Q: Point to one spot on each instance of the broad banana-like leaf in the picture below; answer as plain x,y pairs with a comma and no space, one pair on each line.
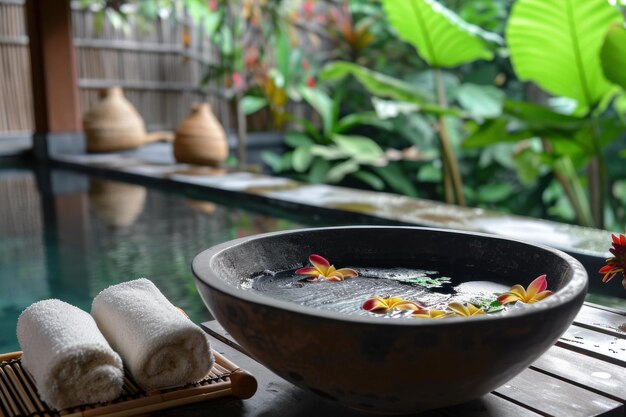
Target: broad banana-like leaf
383,86
556,44
613,55
441,37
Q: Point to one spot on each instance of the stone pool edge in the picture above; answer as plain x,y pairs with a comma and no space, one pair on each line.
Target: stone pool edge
155,165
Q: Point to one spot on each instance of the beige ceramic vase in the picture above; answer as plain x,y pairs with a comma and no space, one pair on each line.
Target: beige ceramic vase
113,124
200,138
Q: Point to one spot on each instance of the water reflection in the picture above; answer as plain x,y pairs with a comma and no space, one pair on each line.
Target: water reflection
204,207
65,235
115,203
23,275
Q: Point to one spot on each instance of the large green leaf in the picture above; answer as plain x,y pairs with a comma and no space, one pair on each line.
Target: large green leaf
322,104
490,132
613,55
481,100
382,85
339,171
388,109
359,148
252,104
283,52
353,120
375,82
556,44
540,117
319,170
493,193
524,120
328,153
396,179
371,179
441,37
277,162
297,139
302,158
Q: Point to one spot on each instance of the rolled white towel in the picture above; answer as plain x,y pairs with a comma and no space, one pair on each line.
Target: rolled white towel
159,345
70,360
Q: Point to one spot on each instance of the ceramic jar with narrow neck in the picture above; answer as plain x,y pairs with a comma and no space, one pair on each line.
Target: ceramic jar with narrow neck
200,138
113,124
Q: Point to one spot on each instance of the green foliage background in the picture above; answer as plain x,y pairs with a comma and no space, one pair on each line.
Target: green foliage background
524,98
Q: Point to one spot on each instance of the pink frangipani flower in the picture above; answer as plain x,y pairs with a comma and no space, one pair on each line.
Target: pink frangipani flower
430,314
536,291
468,310
383,305
322,269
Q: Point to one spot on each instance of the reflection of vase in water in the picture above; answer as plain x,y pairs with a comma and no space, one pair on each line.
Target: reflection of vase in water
200,138
115,203
113,124
204,207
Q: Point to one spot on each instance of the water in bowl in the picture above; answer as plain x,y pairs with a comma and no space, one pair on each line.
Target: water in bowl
430,288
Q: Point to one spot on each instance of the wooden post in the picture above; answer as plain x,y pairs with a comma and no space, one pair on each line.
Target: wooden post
53,68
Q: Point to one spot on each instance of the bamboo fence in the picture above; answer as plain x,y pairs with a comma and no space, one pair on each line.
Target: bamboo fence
16,108
160,73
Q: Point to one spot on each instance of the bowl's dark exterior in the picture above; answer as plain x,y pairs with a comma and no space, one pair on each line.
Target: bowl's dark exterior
387,365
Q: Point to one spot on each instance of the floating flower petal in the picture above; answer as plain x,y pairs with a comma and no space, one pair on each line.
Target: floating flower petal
468,310
383,305
322,269
430,314
536,291
617,263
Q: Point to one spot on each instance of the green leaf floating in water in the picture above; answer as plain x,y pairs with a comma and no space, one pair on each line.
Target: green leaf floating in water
426,282
489,305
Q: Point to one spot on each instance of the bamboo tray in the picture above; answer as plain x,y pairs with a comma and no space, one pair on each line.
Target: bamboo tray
18,395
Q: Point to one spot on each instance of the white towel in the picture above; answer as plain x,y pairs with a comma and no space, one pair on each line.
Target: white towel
69,359
159,345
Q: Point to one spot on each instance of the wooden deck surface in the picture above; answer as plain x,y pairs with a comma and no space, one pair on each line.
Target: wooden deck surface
583,375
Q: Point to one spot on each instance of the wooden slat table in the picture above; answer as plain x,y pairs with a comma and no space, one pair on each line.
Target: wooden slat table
583,375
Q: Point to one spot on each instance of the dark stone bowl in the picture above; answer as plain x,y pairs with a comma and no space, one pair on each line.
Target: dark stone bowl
390,365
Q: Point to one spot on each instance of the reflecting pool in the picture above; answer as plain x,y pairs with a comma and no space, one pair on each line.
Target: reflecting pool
67,235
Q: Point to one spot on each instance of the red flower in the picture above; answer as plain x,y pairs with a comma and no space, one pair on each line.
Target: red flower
308,8
237,80
310,82
617,263
251,57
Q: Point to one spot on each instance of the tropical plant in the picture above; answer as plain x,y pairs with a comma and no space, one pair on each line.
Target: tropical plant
575,50
334,151
448,43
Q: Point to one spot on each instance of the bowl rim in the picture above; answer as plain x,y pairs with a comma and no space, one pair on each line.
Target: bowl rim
203,272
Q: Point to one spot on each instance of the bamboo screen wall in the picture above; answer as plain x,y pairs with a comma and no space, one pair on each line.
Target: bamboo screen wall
16,109
160,76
